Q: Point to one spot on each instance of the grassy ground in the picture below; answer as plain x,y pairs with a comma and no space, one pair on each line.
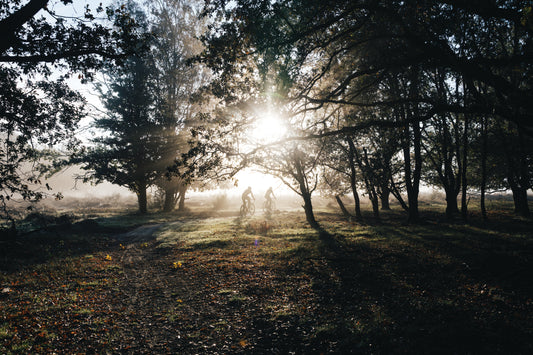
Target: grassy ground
225,285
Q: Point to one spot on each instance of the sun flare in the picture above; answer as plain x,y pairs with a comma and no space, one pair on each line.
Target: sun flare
269,127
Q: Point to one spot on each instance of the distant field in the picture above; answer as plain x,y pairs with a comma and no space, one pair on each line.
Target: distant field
207,282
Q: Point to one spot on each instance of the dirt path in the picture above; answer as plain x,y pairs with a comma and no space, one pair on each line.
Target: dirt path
198,301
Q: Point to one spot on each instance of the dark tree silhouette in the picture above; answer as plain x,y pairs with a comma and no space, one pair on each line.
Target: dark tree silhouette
38,111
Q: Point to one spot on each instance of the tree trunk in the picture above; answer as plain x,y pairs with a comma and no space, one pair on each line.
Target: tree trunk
170,199
353,183
384,197
411,182
414,216
182,191
452,208
483,167
142,200
521,206
396,193
369,184
342,207
308,208
464,185
357,200
524,177
412,176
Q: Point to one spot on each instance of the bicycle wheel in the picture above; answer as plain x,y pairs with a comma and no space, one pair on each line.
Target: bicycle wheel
251,209
242,212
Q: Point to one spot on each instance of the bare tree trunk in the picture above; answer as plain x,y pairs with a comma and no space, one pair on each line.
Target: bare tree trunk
357,200
370,187
142,198
483,167
342,207
170,199
353,183
396,193
384,197
524,177
308,208
182,191
464,183
412,177
521,206
369,183
452,208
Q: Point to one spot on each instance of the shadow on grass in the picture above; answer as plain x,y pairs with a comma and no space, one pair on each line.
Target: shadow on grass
45,242
408,291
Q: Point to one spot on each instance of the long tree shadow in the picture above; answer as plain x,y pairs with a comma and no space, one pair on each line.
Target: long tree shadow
57,241
398,301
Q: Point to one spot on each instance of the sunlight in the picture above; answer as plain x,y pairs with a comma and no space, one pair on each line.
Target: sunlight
269,127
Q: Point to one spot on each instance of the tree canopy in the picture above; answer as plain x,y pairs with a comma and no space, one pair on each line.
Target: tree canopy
39,49
417,66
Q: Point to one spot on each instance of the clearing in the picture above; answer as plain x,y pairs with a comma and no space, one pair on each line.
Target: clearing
199,284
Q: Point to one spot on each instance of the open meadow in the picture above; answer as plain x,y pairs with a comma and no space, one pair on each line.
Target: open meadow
197,282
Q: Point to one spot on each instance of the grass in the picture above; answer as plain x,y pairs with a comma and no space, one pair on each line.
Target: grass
226,285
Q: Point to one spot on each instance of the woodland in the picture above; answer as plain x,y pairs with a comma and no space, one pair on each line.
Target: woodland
361,103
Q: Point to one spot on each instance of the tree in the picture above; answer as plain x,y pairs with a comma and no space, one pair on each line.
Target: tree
129,149
518,165
42,114
37,110
176,25
297,167
443,144
127,152
340,173
335,53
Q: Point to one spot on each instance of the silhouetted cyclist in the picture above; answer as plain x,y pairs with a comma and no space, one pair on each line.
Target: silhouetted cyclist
248,197
269,199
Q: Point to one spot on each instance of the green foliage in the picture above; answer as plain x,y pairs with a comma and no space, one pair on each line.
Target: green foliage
150,134
38,111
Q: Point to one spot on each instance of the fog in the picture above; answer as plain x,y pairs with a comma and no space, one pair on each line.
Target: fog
79,196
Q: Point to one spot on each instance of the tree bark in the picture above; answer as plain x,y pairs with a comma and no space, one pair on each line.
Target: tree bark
517,176
308,208
412,177
353,183
170,199
182,191
483,167
524,177
384,197
369,183
521,206
142,200
342,207
464,182
452,208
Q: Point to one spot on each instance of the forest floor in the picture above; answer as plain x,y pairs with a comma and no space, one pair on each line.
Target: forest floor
197,284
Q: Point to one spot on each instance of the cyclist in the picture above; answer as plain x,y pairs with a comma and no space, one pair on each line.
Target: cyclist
269,197
247,197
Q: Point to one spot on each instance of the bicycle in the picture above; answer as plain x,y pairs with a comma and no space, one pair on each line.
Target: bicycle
269,206
247,209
